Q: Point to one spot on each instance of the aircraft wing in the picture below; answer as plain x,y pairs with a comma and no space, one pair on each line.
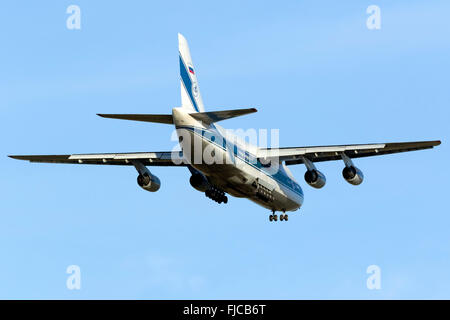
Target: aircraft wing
327,153
146,158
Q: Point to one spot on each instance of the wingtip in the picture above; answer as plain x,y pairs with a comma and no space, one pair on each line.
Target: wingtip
15,157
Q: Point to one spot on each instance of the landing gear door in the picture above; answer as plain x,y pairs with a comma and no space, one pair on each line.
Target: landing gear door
266,184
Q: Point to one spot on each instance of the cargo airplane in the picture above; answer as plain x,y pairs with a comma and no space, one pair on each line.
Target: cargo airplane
239,169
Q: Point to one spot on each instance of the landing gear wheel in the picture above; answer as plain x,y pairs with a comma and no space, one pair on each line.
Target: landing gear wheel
216,195
275,217
286,217
271,218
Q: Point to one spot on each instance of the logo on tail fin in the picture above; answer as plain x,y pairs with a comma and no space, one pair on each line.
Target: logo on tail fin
195,89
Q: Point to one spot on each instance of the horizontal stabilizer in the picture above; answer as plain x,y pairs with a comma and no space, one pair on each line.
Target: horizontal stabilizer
205,117
215,116
158,118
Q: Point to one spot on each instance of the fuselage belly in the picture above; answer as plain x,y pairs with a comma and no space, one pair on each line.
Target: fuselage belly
231,168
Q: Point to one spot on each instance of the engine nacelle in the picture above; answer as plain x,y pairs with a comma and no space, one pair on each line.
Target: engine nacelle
353,175
199,182
315,178
149,182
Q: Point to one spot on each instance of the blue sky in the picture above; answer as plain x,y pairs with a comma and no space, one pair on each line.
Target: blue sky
313,70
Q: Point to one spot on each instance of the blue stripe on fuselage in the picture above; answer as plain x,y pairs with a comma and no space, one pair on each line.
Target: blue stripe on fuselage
280,176
187,83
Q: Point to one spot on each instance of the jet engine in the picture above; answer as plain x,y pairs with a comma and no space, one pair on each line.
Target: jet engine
199,182
353,175
315,178
148,182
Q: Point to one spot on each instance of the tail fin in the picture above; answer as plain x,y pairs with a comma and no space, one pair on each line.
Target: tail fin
190,92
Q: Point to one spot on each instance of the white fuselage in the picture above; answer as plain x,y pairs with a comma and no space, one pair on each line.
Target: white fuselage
232,166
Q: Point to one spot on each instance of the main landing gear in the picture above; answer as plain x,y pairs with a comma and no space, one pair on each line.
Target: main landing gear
217,195
274,216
